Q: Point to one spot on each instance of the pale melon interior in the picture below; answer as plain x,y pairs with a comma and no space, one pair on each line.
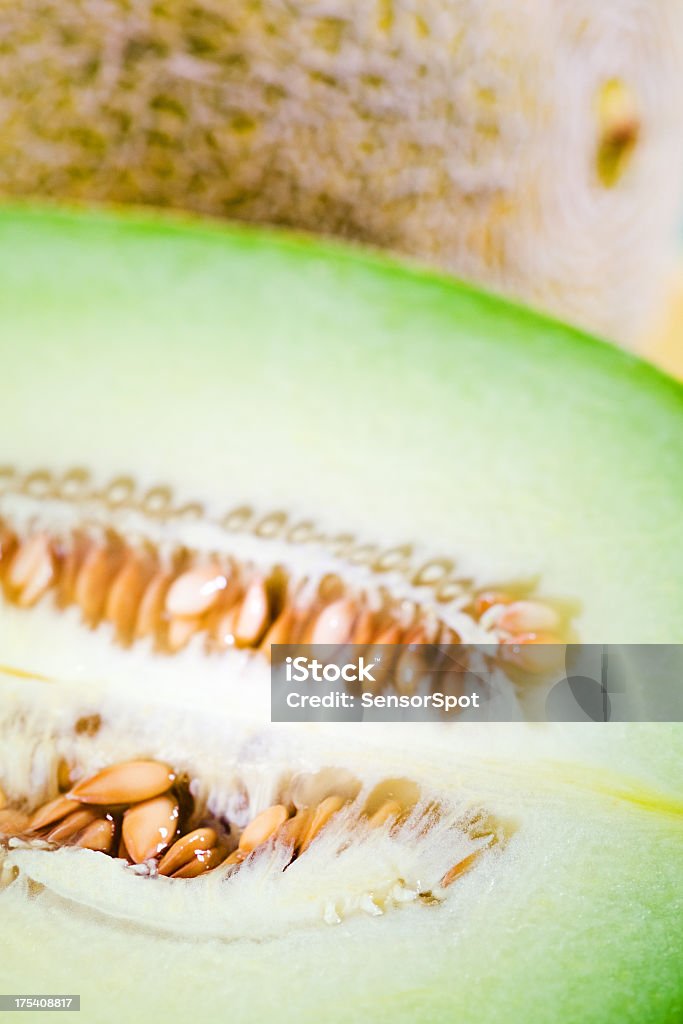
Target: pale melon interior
577,918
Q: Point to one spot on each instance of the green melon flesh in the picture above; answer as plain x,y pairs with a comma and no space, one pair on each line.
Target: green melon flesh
244,367
240,367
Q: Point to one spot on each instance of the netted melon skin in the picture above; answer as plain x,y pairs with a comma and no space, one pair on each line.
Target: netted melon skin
468,134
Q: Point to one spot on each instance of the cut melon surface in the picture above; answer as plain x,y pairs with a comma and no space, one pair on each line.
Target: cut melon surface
577,917
252,383
240,368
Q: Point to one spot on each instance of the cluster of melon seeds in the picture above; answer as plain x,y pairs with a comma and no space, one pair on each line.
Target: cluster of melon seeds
142,812
232,602
133,810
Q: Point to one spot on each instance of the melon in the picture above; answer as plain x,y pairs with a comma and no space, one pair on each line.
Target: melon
219,439
534,149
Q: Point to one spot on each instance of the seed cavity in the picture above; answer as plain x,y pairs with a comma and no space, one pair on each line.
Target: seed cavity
166,835
172,595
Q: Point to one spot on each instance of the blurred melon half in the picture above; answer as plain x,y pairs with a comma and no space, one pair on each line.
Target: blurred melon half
533,146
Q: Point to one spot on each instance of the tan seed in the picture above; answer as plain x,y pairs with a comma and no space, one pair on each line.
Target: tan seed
180,632
8,543
98,836
282,630
334,625
150,827
224,627
41,579
126,783
48,814
390,634
122,852
32,569
93,580
152,605
321,816
294,829
13,822
365,627
29,554
288,628
383,653
487,599
528,616
125,595
183,851
196,591
202,861
389,809
71,558
460,868
72,825
399,791
37,585
221,620
236,857
534,652
253,616
262,827
420,635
